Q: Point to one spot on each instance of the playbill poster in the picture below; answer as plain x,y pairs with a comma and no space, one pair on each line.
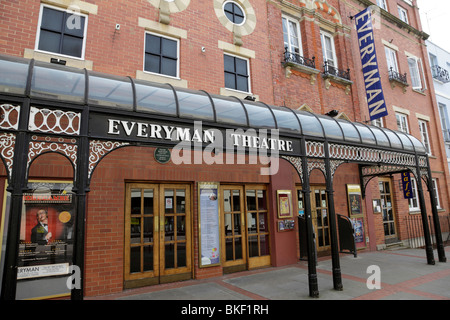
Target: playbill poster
47,230
209,224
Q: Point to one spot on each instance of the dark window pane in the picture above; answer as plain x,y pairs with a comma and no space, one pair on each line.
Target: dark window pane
238,19
135,259
169,256
152,44
229,249
74,25
169,67
241,66
52,19
230,80
238,248
152,63
169,48
49,41
181,255
253,246
72,46
148,258
229,63
242,83
264,245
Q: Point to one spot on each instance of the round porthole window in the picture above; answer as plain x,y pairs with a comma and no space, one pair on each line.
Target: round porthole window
237,16
234,12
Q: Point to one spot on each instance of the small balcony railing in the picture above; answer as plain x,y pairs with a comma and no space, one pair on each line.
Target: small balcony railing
330,70
396,76
294,57
440,74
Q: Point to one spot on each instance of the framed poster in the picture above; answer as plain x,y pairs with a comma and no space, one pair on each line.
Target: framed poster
284,203
47,230
358,227
354,199
208,208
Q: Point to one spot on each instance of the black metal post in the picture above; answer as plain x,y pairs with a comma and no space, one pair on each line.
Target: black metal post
423,210
337,278
81,188
16,187
312,273
437,224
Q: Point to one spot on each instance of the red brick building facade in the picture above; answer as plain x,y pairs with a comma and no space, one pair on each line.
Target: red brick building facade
275,52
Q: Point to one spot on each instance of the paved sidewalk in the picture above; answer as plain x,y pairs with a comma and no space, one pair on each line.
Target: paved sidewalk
404,275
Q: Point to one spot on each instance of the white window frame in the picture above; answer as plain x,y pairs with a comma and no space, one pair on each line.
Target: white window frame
323,35
402,122
248,72
444,121
436,193
413,202
416,72
289,45
38,32
378,123
423,127
178,55
403,14
391,58
382,4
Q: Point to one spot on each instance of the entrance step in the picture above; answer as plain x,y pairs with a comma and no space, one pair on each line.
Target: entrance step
394,245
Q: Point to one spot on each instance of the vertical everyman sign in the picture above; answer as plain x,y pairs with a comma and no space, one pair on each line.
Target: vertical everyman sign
372,81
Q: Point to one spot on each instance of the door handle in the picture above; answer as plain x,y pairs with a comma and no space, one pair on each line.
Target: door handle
156,224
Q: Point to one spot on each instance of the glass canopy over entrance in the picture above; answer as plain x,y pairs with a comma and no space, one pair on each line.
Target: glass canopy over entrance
61,84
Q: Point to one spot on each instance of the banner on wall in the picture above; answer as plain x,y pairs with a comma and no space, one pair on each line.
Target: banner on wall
406,183
372,80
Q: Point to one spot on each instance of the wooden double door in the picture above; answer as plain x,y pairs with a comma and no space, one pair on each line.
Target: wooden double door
245,221
157,234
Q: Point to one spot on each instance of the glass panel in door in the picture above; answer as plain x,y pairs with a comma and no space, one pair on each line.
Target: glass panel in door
387,209
233,220
174,229
140,251
257,226
320,218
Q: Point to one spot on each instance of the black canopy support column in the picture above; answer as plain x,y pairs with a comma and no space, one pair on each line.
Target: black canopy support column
81,188
337,278
437,225
306,190
16,187
423,211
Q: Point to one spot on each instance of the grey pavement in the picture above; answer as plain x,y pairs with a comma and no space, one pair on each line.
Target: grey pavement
404,275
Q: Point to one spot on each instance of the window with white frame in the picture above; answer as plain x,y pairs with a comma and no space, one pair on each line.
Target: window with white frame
62,32
436,193
402,122
291,36
444,121
328,50
161,55
378,123
236,73
415,65
382,4
391,58
414,201
403,14
424,135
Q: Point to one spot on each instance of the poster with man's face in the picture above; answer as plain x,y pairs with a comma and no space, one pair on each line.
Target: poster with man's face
47,228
